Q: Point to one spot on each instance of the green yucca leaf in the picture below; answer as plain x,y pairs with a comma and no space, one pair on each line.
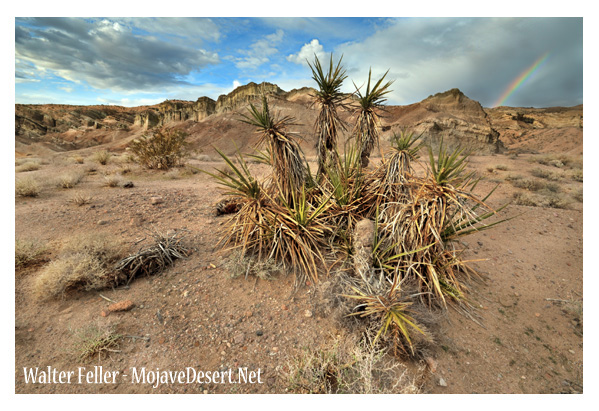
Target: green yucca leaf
373,98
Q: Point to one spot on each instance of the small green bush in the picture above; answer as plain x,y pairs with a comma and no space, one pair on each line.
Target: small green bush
164,150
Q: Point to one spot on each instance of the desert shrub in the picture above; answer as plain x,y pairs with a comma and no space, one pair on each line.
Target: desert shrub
163,150
240,265
529,184
101,157
30,165
69,180
27,187
29,252
95,339
546,174
576,175
550,200
80,199
85,262
347,366
204,157
112,180
501,167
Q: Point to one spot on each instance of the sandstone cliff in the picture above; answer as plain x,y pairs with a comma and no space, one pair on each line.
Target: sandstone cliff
450,116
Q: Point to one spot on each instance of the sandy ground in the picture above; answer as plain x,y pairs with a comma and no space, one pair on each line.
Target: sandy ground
529,340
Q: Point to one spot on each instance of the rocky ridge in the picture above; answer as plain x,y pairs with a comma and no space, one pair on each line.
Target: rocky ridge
449,116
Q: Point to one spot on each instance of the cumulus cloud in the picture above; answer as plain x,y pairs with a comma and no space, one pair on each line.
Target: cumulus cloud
307,53
106,54
260,51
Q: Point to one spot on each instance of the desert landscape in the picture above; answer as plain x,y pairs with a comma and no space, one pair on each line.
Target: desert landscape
85,202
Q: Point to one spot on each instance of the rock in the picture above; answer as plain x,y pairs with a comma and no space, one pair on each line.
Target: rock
259,333
128,184
102,222
432,364
125,305
308,313
284,307
104,313
156,200
239,338
442,382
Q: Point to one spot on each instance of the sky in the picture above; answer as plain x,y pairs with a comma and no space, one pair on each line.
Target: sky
530,62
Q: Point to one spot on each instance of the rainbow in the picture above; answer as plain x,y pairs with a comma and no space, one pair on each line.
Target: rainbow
514,85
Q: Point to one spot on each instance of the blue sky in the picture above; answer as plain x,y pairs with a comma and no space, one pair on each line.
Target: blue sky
137,61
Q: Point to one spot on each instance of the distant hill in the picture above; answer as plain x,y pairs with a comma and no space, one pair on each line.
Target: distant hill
450,116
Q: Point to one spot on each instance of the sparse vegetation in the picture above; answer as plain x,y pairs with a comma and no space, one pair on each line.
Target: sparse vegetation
95,340
80,199
112,180
30,165
240,265
85,262
29,252
165,149
347,366
27,187
546,174
101,157
69,180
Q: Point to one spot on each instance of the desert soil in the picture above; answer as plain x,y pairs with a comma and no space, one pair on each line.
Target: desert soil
528,337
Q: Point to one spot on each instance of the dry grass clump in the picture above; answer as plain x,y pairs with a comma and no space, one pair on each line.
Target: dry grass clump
546,174
80,199
578,195
30,165
204,158
85,262
27,187
576,175
549,200
240,265
95,339
69,180
348,366
29,252
165,149
558,160
532,184
101,157
501,167
112,180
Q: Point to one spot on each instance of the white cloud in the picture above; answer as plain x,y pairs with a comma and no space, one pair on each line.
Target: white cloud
260,51
236,84
307,53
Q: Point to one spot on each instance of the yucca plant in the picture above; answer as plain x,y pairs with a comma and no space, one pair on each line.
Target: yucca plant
286,156
387,184
329,97
390,309
300,230
248,228
367,125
